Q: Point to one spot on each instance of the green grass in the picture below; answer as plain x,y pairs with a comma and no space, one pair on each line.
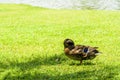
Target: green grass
31,43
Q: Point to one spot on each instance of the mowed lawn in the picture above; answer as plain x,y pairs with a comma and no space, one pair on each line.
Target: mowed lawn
31,43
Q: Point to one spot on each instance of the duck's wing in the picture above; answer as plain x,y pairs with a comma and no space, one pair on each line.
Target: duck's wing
77,50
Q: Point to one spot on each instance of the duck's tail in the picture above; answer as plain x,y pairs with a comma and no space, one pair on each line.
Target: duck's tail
98,53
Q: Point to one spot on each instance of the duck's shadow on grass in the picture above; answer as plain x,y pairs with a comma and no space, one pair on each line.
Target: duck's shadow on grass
84,63
39,61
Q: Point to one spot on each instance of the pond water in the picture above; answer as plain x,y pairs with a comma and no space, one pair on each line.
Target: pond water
71,4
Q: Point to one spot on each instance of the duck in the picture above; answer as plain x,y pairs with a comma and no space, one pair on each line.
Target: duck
79,52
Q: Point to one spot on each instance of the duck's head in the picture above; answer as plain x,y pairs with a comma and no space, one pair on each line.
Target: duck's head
68,43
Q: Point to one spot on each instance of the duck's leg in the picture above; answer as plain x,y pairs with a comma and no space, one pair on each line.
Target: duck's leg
80,62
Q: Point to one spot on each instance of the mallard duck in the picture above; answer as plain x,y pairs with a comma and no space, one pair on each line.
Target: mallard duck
79,52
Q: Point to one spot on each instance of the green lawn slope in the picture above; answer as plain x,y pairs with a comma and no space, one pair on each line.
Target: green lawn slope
31,43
